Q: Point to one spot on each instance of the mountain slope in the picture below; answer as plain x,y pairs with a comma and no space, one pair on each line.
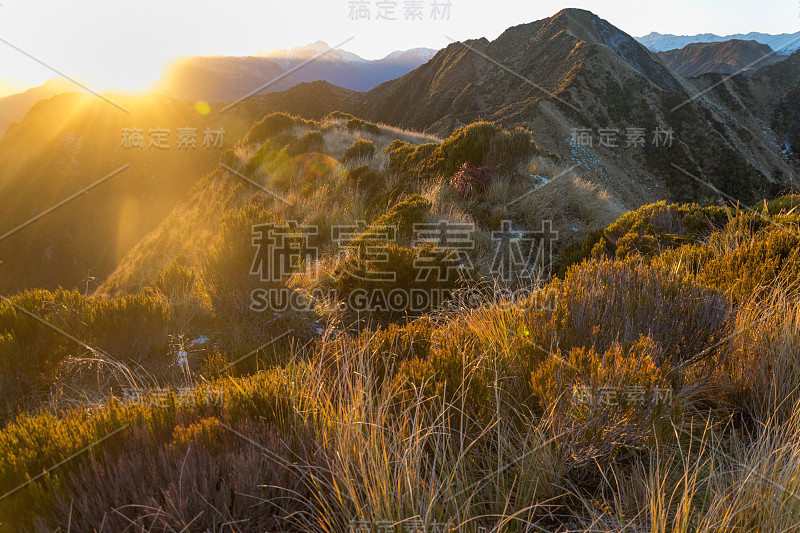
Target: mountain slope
727,57
768,103
14,107
577,71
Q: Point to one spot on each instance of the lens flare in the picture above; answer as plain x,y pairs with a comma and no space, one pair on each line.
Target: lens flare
203,108
316,166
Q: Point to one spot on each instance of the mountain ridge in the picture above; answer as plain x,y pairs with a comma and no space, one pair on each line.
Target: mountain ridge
726,57
783,44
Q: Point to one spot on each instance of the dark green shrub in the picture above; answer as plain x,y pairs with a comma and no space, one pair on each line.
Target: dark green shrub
479,144
407,158
399,155
356,124
272,125
338,115
367,277
132,328
648,231
363,178
594,245
360,149
402,216
311,141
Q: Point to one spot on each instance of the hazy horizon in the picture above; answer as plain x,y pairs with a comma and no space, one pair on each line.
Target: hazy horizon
125,49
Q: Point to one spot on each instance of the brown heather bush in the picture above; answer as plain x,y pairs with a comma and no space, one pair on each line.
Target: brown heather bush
311,141
207,478
604,302
159,462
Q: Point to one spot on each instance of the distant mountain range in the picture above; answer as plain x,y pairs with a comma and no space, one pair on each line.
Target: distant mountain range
726,57
784,44
225,79
230,78
13,107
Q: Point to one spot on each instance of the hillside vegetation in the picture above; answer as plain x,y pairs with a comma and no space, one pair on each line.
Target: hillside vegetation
641,375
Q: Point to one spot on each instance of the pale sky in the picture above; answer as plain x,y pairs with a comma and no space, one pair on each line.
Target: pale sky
123,45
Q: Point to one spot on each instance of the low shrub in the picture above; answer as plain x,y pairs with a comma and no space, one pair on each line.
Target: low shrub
360,149
602,302
481,144
375,281
647,232
402,217
338,115
769,255
270,126
356,124
130,461
56,326
311,141
363,178
606,406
